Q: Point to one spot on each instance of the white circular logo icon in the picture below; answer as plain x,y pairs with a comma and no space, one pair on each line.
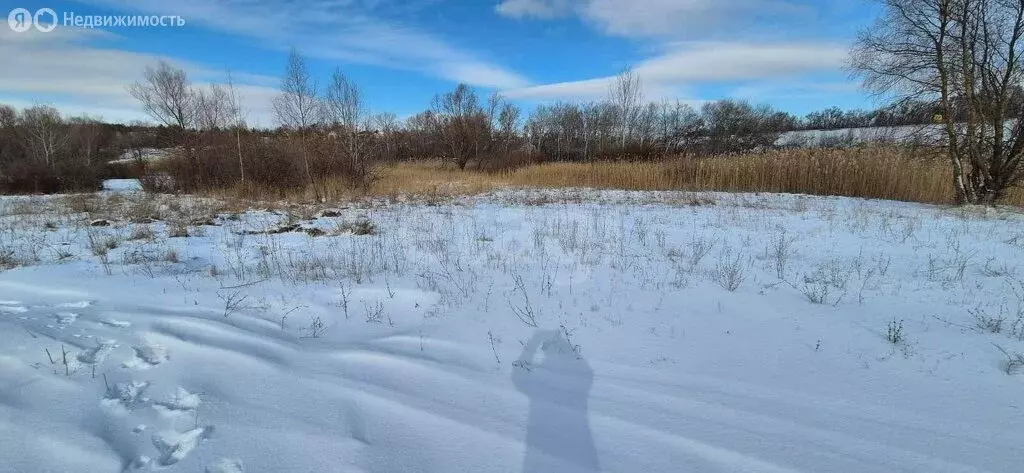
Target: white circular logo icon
41,14
20,20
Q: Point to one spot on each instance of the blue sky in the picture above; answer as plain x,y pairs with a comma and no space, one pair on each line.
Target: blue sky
789,53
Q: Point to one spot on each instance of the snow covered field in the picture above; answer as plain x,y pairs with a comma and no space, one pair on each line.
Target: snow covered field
525,331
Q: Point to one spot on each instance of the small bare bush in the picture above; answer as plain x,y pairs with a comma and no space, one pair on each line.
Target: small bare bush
361,226
895,333
730,272
1014,362
780,251
101,244
143,211
177,229
699,248
143,232
317,327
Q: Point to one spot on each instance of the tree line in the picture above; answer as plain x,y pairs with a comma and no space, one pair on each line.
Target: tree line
327,132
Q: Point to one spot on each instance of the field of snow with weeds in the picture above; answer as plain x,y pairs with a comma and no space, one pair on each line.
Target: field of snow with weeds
521,331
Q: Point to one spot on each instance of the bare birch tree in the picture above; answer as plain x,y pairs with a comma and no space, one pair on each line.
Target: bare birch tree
964,56
44,131
387,124
212,108
627,95
237,122
298,107
344,107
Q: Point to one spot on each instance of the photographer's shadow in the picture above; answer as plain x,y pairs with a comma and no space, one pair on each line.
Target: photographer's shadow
558,437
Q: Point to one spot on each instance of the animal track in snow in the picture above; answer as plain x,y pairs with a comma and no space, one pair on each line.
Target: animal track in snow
147,355
182,402
126,395
66,318
97,354
226,465
175,446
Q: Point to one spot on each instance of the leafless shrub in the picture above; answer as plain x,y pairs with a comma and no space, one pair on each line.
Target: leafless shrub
346,292
233,301
1014,362
993,269
177,229
144,210
142,232
524,310
827,284
895,332
8,260
699,248
101,244
780,251
494,341
317,327
730,272
362,226
374,312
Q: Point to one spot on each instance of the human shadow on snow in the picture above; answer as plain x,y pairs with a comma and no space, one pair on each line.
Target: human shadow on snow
558,437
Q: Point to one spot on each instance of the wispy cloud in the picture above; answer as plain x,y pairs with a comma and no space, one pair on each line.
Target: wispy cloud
81,72
684,65
654,18
546,9
345,30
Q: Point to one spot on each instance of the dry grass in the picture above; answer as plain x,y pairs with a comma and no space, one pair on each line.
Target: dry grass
876,172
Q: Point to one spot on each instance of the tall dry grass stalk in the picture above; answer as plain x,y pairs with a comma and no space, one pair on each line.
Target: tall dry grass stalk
876,172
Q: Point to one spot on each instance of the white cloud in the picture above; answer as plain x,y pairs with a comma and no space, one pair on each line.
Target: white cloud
333,29
652,18
688,64
535,8
65,68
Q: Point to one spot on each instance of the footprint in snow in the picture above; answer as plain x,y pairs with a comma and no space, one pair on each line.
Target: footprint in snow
97,354
126,395
175,446
226,465
66,318
147,355
182,402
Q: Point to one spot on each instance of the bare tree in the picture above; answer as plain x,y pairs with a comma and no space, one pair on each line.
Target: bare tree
213,108
965,57
626,93
463,124
387,124
8,116
166,95
344,108
508,120
237,122
44,131
297,107
86,133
